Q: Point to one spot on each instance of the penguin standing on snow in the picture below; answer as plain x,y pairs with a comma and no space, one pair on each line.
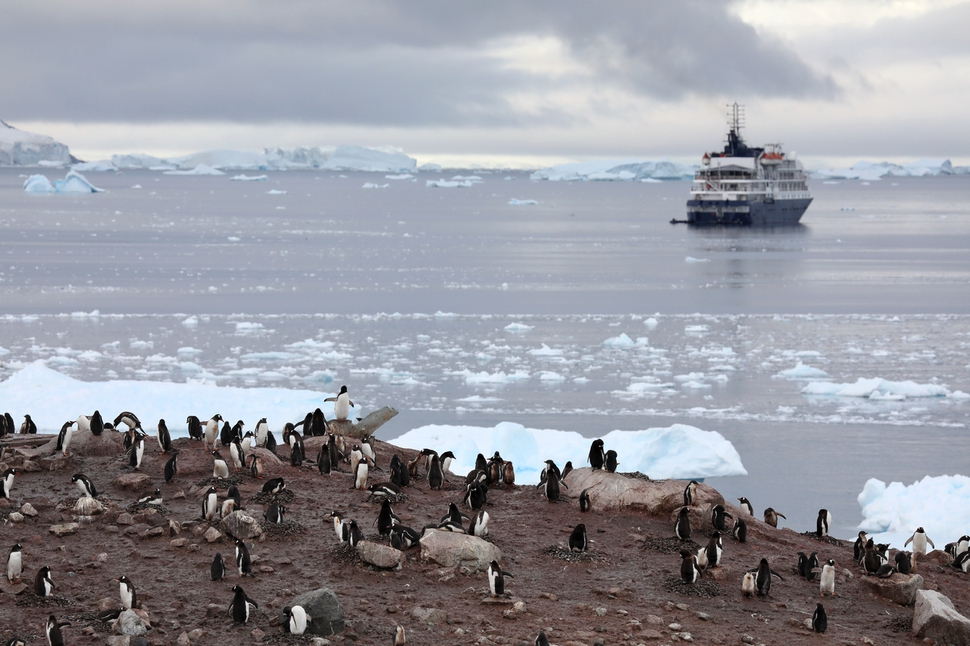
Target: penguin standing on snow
496,579
85,485
164,437
822,523
578,541
341,404
597,456
239,608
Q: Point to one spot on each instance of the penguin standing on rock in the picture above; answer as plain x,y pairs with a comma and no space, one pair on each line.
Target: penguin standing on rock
342,404
85,485
219,467
171,467
611,461
690,492
127,591
97,424
597,456
718,516
210,504
64,438
129,419
6,485
28,427
194,427
859,549
239,608
212,432
164,437
541,639
496,579
745,506
771,517
137,450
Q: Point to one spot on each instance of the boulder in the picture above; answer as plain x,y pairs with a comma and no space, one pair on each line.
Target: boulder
64,530
267,457
212,535
608,491
899,588
382,556
87,506
129,623
935,618
135,482
429,615
324,614
239,524
467,553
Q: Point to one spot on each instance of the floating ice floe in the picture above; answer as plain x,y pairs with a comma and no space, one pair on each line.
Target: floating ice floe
73,182
622,341
678,451
248,178
518,327
802,371
867,170
373,185
880,389
515,202
690,259
938,504
200,169
444,183
100,166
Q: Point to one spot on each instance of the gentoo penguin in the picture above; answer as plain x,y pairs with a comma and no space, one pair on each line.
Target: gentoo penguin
745,506
97,424
811,566
399,470
127,591
822,523
748,585
137,451
270,442
454,515
611,462
400,639
171,467
296,454
212,431
740,530
689,572
479,524
597,456
354,535
7,482
233,492
262,428
318,424
826,581
295,619
360,476
15,563
919,539
195,427
367,448
566,468
16,641
718,514
210,504
43,584
356,455
859,549
341,404
338,526
239,608
28,427
476,495
228,506
242,559
871,561
54,637
771,517
335,452
386,518
690,492
384,490
129,419
255,466
154,498
274,514
578,540
541,639
494,469
496,579
682,524
404,537
64,437
218,568
164,437
584,503
85,486
763,574
274,485
819,621
713,550
236,453
447,458
550,481
429,453
323,462
219,467
904,562
961,562
435,475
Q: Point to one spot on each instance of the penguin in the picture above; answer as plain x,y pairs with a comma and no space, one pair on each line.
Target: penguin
859,549
496,579
550,482
136,452
54,637
243,562
270,442
154,498
129,419
399,471
400,638
386,518
318,424
479,524
338,526
210,504
11,429
682,524
97,424
212,431
246,443
819,621
64,438
127,591
84,485
342,404
871,561
16,641
689,572
6,485
802,563
541,639
763,574
714,550
747,585
578,540
163,437
822,523
274,514
195,429
963,544
384,490
255,466
296,619
229,433
239,608
740,530
412,466
43,584
494,472
429,453
217,571
236,453
597,456
28,427
690,492
15,563
3,426
811,566
447,458
962,562
274,485
904,562
360,476
435,474
233,492
404,536
745,506
919,539
219,467
454,516
826,581
566,468
476,495
261,431
354,535
480,462
296,454
584,503
171,467
718,514
367,448
611,462
771,517
228,506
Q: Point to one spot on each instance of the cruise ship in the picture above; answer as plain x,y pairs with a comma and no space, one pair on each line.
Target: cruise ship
748,186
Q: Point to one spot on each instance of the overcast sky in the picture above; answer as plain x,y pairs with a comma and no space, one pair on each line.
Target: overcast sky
491,82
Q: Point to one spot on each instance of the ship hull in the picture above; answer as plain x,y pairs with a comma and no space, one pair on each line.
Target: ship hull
740,213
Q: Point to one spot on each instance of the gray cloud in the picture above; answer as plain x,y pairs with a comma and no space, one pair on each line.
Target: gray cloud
371,62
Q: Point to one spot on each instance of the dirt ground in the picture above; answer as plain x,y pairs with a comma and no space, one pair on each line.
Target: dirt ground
626,591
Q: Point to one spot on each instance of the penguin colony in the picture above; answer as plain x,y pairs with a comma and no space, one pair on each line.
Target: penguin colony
488,474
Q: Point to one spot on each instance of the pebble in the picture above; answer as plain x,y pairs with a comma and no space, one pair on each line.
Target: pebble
675,627
600,612
16,517
28,510
654,619
747,639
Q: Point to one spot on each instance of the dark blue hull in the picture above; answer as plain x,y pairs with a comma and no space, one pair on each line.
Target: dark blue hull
756,214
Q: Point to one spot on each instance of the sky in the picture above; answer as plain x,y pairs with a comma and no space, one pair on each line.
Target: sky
492,83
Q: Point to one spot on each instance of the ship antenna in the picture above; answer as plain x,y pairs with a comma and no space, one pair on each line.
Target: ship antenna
735,123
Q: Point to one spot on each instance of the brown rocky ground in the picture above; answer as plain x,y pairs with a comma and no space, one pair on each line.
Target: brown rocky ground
627,592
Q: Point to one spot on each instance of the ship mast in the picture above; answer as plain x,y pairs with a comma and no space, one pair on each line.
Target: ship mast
735,119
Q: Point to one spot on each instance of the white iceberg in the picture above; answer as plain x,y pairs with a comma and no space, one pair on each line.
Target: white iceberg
679,451
616,170
802,371
866,170
100,166
21,148
876,389
38,184
200,169
938,504
73,182
515,202
140,161
248,178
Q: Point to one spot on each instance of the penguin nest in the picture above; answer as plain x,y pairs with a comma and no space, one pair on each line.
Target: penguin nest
379,498
700,588
281,498
565,554
33,601
900,624
286,528
219,483
344,553
671,545
825,539
636,475
136,507
287,638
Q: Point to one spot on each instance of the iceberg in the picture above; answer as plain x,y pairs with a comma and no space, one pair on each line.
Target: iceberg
866,170
38,184
678,451
74,182
103,165
877,389
616,171
802,371
939,504
139,162
21,148
201,169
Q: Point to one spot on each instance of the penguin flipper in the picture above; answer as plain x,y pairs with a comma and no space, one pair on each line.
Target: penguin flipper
330,399
248,600
781,577
910,540
930,542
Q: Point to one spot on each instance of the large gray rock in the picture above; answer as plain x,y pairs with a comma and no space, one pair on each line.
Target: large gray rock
935,618
899,588
324,614
240,524
136,482
383,556
608,491
129,623
467,553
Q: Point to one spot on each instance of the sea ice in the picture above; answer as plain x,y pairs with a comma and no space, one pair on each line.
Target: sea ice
876,389
515,202
200,169
802,371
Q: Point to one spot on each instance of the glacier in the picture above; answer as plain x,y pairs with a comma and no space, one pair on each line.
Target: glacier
21,148
617,171
866,170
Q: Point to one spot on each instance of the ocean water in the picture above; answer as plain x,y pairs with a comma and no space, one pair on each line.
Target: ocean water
587,311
